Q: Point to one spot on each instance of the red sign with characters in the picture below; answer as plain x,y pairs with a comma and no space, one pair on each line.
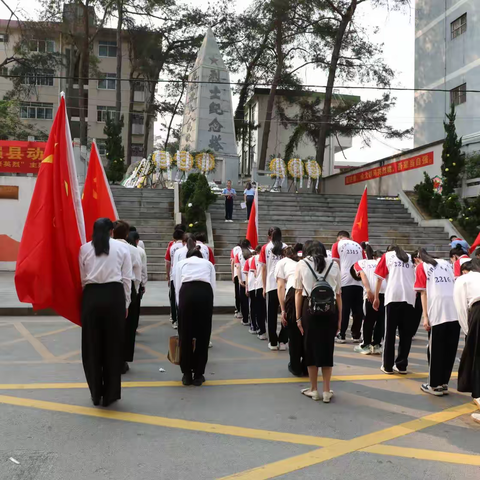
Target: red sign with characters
396,167
20,157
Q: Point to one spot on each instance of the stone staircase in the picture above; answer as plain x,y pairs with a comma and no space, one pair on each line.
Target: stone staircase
307,216
151,211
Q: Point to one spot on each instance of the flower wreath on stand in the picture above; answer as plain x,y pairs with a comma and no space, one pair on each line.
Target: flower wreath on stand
279,172
296,171
130,182
146,169
184,161
313,172
163,162
205,162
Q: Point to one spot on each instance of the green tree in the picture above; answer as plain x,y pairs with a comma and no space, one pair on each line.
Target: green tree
453,160
115,150
11,128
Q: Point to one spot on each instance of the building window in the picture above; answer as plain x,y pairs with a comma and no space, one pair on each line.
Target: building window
102,150
137,150
4,72
42,46
458,95
109,82
137,124
34,110
104,113
459,26
107,49
3,37
40,77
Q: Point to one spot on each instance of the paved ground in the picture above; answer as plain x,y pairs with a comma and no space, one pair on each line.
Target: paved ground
248,421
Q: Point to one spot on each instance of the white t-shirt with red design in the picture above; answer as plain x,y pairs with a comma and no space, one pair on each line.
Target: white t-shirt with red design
249,269
270,261
233,254
458,264
400,278
170,254
240,260
258,274
439,283
285,269
348,253
368,268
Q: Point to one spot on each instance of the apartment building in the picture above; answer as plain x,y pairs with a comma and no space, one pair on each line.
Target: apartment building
447,46
39,109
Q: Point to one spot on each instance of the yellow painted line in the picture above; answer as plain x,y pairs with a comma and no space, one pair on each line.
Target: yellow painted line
153,325
54,332
41,349
237,345
250,433
157,355
68,355
447,457
339,449
225,327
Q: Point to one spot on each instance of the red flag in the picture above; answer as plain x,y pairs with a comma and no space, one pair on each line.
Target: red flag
476,244
252,228
48,272
97,199
360,225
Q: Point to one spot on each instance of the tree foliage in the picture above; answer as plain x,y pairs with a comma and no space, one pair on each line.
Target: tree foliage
453,160
115,150
11,128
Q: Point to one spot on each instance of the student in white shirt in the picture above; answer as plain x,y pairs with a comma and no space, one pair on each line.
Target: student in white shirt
207,252
285,275
195,286
270,254
467,302
169,263
240,260
458,257
248,197
134,239
140,242
435,280
260,303
236,249
397,268
373,320
106,274
120,233
347,252
318,329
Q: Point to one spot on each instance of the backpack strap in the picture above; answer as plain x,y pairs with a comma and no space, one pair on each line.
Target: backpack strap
311,269
328,271
324,278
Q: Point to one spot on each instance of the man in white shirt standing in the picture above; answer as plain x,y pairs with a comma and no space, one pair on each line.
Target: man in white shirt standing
347,253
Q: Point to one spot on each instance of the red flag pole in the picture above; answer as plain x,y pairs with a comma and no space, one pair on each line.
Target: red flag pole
360,225
252,228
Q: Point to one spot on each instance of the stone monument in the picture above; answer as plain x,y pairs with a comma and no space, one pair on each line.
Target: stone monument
208,117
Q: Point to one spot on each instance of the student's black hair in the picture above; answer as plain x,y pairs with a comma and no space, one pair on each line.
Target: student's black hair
298,247
306,246
343,233
258,249
186,237
178,234
354,274
194,252
201,237
368,250
132,228
458,251
179,226
290,253
121,230
248,186
101,236
192,247
133,238
453,236
247,253
270,231
377,254
277,241
426,257
245,243
317,251
466,267
400,253
475,265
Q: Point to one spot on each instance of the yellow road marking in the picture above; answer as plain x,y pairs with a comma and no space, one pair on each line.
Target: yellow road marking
158,355
40,335
225,327
339,449
237,345
448,457
41,349
250,433
153,325
68,355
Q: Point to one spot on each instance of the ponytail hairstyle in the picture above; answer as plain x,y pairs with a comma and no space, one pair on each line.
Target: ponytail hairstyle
289,252
247,253
475,265
270,232
133,238
186,237
306,246
426,257
354,274
102,230
298,248
277,241
399,252
368,250
245,244
258,249
317,251
193,248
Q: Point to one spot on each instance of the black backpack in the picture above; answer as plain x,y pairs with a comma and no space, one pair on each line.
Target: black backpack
322,298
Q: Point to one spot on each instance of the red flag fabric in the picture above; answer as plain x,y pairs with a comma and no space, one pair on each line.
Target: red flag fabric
48,272
252,228
360,225
97,199
476,244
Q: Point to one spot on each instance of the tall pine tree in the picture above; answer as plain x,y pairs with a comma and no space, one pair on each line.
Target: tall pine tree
453,160
115,150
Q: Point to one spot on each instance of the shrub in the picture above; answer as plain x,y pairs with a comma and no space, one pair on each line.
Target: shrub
115,150
470,216
453,160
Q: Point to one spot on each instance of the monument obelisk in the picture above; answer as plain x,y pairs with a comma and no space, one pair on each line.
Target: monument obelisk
208,117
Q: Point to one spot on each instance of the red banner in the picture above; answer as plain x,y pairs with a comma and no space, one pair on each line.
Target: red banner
20,157
396,167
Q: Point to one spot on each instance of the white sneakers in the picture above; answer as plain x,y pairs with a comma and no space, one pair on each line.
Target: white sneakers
476,417
314,395
376,350
271,347
397,370
477,402
437,391
367,350
282,347
263,336
382,368
327,396
252,331
175,325
210,345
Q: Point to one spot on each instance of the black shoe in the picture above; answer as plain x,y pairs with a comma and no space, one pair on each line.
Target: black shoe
107,403
125,368
187,379
293,372
96,401
198,380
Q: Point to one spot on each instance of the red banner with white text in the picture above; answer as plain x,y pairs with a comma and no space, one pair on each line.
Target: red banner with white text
20,157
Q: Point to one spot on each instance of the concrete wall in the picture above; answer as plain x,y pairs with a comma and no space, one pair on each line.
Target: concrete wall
13,214
389,185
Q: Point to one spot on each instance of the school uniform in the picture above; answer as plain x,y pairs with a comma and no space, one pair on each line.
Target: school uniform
285,269
373,320
457,266
319,329
467,302
347,253
260,302
141,244
399,303
244,304
236,283
269,261
250,197
438,282
170,257
249,270
107,283
229,202
195,282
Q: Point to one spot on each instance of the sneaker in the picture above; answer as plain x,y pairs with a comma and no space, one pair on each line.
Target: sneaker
175,325
210,344
238,315
252,331
246,324
187,379
340,339
272,347
477,401
312,394
282,347
263,336
363,350
198,380
437,391
377,350
231,221
445,389
357,340
476,417
382,368
401,372
327,396
226,221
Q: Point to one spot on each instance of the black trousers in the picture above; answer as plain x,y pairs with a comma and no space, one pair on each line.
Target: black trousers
261,310
173,302
252,298
352,301
236,283
272,320
132,325
249,203
295,337
469,370
418,313
399,315
195,322
228,208
374,323
103,329
442,350
244,305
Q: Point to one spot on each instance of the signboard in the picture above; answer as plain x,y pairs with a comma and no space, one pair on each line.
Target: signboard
418,161
9,191
20,157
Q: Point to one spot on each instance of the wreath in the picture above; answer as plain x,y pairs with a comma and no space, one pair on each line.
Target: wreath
184,161
277,167
313,171
162,160
205,162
